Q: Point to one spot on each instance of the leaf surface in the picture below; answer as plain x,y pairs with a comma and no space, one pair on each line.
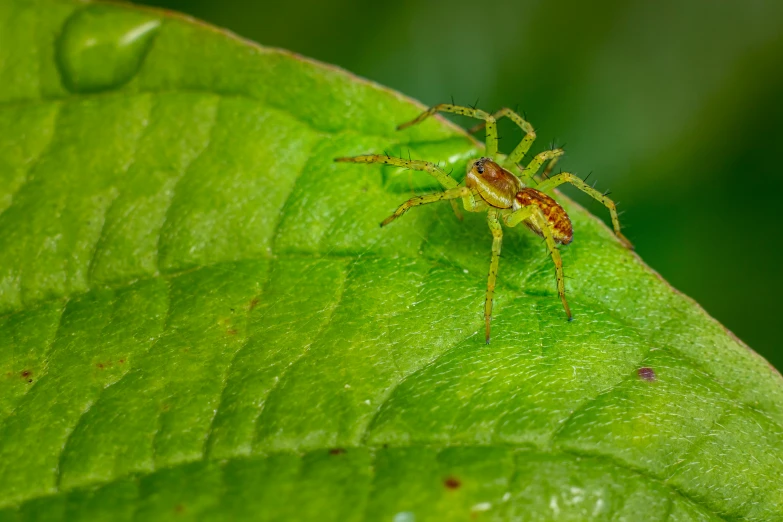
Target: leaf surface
200,317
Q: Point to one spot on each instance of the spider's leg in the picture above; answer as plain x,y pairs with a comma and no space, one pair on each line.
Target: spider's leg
530,135
471,202
489,120
454,193
514,218
441,175
497,242
567,177
549,167
529,172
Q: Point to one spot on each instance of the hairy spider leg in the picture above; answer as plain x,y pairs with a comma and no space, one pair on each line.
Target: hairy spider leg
513,218
497,243
441,175
529,172
567,177
523,146
549,168
491,143
453,193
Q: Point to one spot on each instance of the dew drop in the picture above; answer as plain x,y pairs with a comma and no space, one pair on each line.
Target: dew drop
102,47
404,516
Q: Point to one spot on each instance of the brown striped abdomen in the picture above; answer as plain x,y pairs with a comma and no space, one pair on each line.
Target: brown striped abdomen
554,213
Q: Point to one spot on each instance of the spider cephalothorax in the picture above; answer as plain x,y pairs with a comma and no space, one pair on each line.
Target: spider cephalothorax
492,188
501,189
496,186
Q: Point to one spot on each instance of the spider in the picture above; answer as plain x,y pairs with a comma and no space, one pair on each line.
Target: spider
491,187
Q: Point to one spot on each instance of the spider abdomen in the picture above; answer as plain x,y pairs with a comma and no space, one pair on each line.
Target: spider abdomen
553,213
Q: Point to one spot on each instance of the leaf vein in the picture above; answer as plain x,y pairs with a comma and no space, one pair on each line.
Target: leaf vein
107,212
45,369
44,152
278,384
180,178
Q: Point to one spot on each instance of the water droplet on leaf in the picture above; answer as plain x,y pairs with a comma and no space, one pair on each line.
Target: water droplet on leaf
102,47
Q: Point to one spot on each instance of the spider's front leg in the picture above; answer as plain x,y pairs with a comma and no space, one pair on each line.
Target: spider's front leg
567,177
454,193
441,175
522,147
489,120
529,172
513,218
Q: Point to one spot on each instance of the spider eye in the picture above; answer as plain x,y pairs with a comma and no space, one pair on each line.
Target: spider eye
480,168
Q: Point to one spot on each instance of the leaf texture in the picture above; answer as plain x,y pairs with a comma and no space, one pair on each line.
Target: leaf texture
200,317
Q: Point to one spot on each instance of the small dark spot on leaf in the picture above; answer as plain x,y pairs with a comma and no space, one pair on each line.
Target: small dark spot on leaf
164,407
231,331
336,451
122,361
232,310
179,508
26,373
452,483
647,374
99,365
29,380
254,303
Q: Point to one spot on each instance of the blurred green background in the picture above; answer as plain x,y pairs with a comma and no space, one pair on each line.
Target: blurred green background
674,105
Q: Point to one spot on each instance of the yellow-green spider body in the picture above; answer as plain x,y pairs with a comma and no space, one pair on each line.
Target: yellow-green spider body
491,187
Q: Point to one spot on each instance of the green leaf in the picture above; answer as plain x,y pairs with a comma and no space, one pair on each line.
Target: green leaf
200,317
